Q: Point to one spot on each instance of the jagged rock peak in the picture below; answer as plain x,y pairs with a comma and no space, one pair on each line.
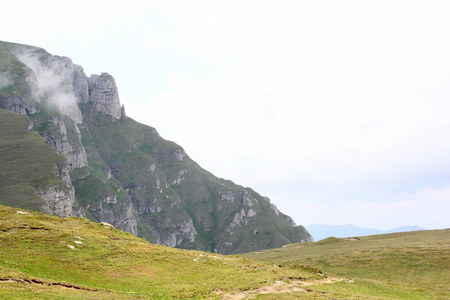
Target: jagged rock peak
104,95
58,82
123,114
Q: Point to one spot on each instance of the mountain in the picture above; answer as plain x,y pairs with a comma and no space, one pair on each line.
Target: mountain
321,231
68,148
405,229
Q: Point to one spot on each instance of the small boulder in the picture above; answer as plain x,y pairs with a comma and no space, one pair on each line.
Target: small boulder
107,225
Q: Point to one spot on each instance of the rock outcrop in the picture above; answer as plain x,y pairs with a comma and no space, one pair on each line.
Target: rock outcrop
60,200
66,143
18,105
104,95
80,84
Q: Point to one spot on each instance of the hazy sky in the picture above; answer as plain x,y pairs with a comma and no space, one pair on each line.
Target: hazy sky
336,110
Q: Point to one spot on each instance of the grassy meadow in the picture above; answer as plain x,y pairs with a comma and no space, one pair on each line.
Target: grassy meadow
47,257
44,256
409,265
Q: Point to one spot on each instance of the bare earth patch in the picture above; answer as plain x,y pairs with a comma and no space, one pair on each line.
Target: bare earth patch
279,287
34,281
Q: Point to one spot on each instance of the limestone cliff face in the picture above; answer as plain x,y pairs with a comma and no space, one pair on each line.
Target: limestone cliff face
104,211
80,84
184,230
66,143
18,105
104,95
60,201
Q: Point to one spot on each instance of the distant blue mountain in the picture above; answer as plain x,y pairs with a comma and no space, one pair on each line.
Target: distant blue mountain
405,229
321,231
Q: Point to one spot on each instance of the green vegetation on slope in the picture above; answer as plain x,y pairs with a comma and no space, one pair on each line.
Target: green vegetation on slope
412,265
47,257
12,75
169,190
42,254
21,172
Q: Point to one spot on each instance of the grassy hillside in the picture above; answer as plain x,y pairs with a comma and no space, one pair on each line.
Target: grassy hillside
412,265
20,171
44,256
47,257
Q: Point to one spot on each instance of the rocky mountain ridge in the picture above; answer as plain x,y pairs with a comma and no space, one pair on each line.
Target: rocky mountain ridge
122,172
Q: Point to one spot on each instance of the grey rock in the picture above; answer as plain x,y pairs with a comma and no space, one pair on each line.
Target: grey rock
228,196
18,105
80,85
111,198
104,95
251,213
184,230
290,221
247,200
57,136
275,209
238,220
126,220
123,114
60,200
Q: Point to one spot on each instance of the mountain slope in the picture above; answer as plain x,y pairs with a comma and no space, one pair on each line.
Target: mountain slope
123,172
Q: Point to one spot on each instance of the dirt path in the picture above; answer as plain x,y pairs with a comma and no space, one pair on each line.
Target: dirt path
279,287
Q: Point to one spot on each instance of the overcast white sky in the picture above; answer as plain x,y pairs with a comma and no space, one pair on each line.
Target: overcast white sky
336,110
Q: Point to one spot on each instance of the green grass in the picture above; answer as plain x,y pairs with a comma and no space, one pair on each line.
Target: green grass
36,262
413,265
15,72
114,264
21,173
